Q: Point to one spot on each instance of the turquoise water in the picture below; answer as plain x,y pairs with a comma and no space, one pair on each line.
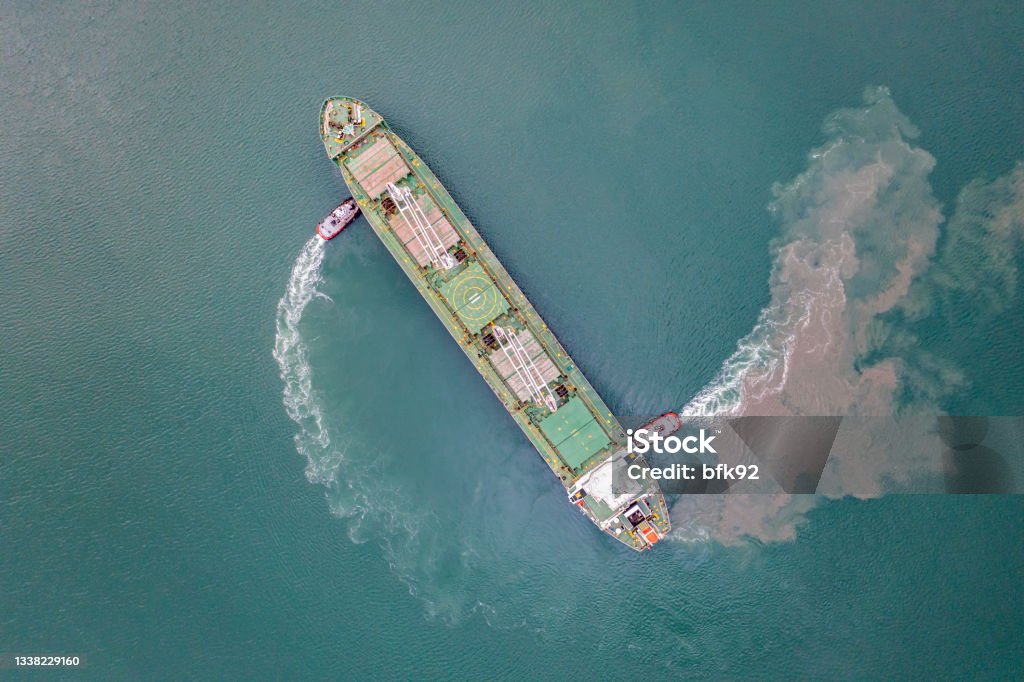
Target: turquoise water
161,513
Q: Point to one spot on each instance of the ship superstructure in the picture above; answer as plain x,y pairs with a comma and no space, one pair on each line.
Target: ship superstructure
496,326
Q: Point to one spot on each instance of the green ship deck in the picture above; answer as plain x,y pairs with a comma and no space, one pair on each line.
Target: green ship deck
486,313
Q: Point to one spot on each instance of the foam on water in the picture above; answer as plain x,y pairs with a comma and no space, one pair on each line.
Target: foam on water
313,440
862,207
357,491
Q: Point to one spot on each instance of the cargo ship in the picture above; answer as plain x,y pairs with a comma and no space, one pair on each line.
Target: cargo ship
499,330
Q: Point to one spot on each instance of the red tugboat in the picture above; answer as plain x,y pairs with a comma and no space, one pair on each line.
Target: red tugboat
337,220
665,425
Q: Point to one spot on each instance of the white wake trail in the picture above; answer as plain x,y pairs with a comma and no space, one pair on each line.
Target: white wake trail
290,351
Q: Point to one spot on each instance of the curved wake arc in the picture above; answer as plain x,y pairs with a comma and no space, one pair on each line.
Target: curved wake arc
291,353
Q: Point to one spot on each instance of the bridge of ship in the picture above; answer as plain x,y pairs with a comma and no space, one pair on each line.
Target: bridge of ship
472,295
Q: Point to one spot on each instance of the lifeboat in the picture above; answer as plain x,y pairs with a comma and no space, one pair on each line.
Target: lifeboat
337,220
649,534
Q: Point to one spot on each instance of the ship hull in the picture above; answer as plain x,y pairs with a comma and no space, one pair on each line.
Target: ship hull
494,323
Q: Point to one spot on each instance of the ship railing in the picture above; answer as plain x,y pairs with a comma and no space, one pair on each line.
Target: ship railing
425,234
526,369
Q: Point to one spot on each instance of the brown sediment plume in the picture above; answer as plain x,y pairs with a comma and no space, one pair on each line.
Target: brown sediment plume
858,246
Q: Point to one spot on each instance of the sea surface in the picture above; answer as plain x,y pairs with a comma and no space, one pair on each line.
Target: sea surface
227,452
